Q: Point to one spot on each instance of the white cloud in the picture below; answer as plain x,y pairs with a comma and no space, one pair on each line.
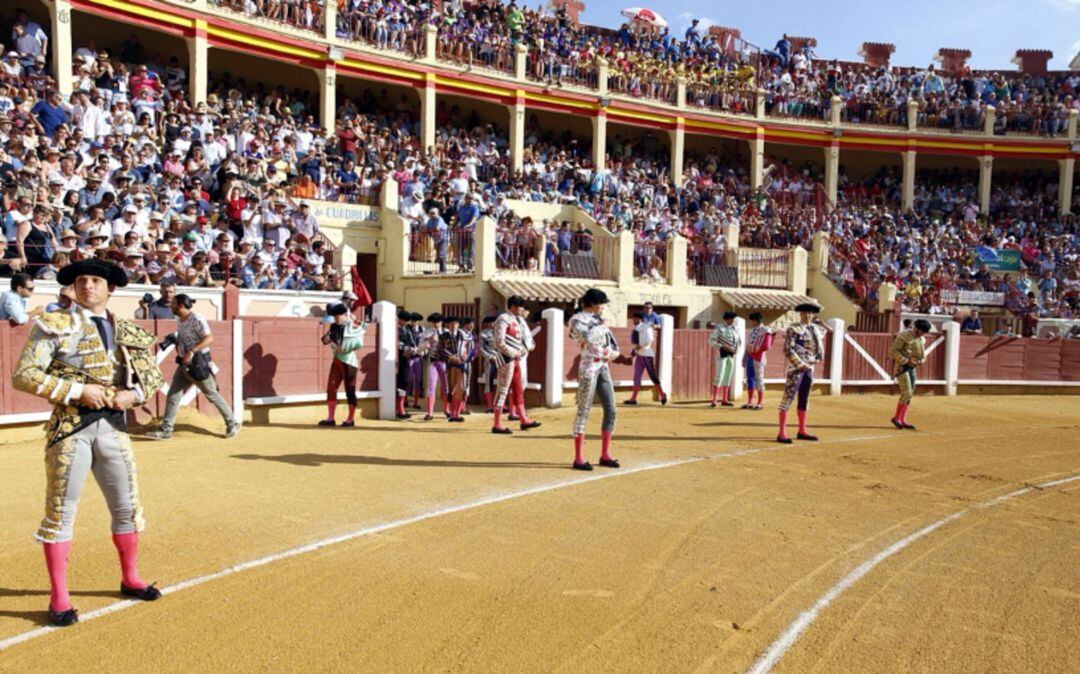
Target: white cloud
680,23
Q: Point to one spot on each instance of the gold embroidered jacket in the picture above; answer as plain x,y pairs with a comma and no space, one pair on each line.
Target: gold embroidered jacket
907,349
65,352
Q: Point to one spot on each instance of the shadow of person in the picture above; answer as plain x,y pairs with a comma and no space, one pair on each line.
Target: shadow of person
41,617
769,424
259,379
314,460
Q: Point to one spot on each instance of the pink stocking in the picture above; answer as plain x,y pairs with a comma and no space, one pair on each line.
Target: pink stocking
783,424
605,445
579,448
802,421
128,547
56,561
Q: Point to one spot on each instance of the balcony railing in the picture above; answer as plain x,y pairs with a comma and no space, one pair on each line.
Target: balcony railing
441,253
763,268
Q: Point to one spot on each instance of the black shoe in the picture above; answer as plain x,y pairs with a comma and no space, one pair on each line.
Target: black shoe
582,466
726,404
459,420
629,402
348,424
907,427
148,593
531,424
501,431
610,463
783,441
406,415
327,422
514,417
63,618
427,417
747,406
807,436
712,404
663,399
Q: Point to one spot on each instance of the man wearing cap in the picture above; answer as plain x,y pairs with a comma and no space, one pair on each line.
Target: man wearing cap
456,351
93,366
725,339
513,342
345,337
408,353
598,349
908,352
803,347
757,345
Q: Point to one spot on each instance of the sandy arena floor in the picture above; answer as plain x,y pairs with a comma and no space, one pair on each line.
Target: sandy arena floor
953,548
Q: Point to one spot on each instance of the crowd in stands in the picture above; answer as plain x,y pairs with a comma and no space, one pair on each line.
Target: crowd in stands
798,84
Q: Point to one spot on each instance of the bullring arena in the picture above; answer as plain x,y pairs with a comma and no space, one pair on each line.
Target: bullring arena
291,258
401,547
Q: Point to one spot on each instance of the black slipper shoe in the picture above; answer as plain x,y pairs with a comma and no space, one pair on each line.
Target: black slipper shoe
807,436
783,441
609,463
531,424
327,422
896,423
148,593
63,618
583,466
501,431
427,417
348,424
513,417
629,402
908,427
404,416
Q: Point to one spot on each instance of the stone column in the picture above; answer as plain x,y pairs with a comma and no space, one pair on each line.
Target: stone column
601,75
327,97
912,115
521,53
431,40
835,106
680,92
677,136
759,104
676,262
988,121
1065,184
330,21
1070,126
599,141
517,131
832,170
60,44
908,199
757,159
427,113
986,176
198,63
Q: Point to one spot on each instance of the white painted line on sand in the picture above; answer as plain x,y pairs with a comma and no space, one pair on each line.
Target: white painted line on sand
787,639
359,533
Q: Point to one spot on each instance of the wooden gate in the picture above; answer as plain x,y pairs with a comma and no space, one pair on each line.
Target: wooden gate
693,365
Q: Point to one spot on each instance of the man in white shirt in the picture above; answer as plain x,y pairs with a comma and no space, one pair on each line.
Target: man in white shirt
643,337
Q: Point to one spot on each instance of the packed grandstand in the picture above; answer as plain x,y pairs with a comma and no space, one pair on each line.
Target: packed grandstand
218,191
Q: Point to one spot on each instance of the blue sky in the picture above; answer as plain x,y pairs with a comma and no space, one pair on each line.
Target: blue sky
992,29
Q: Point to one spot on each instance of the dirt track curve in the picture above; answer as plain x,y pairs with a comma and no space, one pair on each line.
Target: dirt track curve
698,561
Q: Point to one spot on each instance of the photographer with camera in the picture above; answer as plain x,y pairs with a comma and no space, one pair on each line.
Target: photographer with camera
194,366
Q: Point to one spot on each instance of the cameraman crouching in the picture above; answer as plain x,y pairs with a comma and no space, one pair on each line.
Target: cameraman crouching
192,339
